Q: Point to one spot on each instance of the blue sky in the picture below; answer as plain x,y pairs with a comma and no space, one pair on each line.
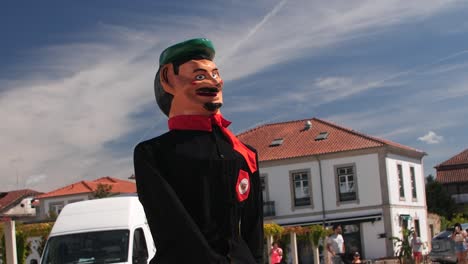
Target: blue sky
76,76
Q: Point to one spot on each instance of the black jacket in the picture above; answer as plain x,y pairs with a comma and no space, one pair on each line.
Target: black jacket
186,181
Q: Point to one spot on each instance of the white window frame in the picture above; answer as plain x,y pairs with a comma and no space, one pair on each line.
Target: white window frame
401,182
414,191
56,207
264,177
306,173
337,183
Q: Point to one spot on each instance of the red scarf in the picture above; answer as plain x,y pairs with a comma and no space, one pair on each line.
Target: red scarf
203,123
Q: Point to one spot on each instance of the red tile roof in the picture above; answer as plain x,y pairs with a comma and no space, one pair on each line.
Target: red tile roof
82,187
453,170
8,199
299,142
459,159
452,176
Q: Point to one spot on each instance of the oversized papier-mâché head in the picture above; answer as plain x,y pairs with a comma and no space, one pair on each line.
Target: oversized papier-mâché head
188,81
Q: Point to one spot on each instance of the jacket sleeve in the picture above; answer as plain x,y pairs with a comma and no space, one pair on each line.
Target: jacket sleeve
176,236
252,218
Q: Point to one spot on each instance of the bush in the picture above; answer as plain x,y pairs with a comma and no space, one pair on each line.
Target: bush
22,233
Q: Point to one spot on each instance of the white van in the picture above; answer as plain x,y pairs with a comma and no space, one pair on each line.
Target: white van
109,230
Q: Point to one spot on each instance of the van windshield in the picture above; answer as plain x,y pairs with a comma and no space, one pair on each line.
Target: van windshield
92,247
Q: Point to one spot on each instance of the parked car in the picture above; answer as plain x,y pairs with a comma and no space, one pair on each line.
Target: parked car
443,247
109,230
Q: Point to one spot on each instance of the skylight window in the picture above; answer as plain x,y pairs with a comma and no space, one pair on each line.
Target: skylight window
321,136
276,142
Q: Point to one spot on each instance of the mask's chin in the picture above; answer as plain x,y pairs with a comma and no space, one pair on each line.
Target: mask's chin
212,107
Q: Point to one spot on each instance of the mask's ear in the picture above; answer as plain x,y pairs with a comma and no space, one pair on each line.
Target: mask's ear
166,70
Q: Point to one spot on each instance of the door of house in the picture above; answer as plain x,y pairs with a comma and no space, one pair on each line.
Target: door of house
305,253
352,238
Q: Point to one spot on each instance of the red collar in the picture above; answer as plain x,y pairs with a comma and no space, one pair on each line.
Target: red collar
196,122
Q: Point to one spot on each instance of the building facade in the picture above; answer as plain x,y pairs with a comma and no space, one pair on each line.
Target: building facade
53,202
316,172
453,175
18,204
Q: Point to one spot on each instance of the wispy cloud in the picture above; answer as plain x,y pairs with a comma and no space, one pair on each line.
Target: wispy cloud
431,138
61,127
33,180
312,26
234,49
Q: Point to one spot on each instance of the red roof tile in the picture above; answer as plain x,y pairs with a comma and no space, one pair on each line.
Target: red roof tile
10,198
452,176
299,142
459,159
453,170
82,187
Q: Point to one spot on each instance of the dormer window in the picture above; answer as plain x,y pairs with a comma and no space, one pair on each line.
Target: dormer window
321,136
276,142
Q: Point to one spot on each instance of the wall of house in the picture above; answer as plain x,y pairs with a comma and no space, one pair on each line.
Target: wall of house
279,189
374,247
415,208
22,208
34,243
46,202
392,176
420,214
367,177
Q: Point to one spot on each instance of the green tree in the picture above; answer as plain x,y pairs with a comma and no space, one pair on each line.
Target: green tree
438,200
456,218
274,230
102,191
316,233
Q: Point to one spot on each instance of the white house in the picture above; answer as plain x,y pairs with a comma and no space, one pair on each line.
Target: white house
17,204
54,201
316,172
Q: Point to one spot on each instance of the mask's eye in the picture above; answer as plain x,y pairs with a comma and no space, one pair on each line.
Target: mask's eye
214,75
200,77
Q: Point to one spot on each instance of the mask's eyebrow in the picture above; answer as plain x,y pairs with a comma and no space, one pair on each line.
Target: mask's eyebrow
203,70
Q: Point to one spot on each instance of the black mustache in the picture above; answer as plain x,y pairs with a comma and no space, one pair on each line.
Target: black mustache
208,89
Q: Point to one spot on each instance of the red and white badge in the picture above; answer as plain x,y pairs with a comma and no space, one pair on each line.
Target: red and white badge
243,185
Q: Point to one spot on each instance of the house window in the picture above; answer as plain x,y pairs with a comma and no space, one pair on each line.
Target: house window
400,181
56,207
346,183
413,183
301,188
417,227
263,185
276,142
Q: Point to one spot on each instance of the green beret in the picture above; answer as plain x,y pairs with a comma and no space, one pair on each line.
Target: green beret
184,51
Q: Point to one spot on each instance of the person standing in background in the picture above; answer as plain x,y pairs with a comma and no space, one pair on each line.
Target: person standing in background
276,253
417,248
356,258
335,245
459,236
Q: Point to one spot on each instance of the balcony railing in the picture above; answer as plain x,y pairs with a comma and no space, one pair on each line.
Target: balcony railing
269,208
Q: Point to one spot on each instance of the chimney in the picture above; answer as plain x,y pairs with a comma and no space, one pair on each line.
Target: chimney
307,125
